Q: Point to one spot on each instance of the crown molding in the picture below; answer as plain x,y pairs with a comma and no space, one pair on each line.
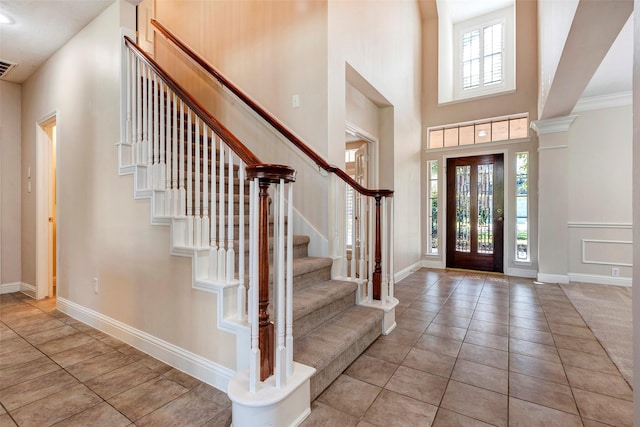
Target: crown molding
554,125
603,101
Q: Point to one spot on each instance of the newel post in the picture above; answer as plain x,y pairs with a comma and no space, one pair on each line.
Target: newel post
266,175
377,271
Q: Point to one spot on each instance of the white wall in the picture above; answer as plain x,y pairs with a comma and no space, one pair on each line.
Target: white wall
381,41
103,232
10,184
599,176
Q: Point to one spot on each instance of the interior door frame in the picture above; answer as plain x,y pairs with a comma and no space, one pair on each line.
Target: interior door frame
442,215
43,190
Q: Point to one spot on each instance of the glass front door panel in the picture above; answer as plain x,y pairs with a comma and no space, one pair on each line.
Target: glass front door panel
485,209
463,209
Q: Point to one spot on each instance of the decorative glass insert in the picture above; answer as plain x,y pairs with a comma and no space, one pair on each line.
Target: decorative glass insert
506,128
485,209
463,209
522,207
432,226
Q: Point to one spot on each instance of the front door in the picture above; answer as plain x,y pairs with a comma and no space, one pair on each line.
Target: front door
475,212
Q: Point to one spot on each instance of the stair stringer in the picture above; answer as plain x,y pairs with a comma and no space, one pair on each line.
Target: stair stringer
226,292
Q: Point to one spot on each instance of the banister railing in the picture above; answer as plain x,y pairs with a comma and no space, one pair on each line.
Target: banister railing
378,255
196,172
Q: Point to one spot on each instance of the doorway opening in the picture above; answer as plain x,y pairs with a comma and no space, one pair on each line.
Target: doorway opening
46,208
475,212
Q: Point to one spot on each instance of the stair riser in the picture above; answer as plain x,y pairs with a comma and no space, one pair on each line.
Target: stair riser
322,379
311,321
305,280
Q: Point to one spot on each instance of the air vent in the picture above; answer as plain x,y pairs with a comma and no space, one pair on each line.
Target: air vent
5,67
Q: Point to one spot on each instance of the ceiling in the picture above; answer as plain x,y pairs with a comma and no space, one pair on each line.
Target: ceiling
40,28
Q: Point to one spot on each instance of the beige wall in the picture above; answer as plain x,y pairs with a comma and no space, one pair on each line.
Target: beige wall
275,49
366,36
600,191
10,183
102,231
523,100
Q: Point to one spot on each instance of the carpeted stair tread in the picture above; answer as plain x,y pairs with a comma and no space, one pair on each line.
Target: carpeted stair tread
328,341
308,300
310,264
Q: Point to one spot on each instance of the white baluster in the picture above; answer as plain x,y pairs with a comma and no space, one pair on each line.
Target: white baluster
254,359
242,290
129,136
204,236
196,210
144,149
174,168
354,215
182,208
391,248
161,126
221,243
168,193
384,285
134,108
156,150
213,251
280,368
289,308
362,214
149,124
189,180
372,239
343,239
230,218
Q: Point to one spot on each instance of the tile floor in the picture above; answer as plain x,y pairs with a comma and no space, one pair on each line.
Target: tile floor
55,370
469,350
476,350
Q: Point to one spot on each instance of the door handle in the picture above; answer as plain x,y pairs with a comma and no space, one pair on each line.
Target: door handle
499,219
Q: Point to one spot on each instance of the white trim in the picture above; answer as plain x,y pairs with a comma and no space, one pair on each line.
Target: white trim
603,101
42,192
618,242
554,125
197,366
28,289
521,272
8,288
553,278
620,225
600,280
435,264
405,272
552,147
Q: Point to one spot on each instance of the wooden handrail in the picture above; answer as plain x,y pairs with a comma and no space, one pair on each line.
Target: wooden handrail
234,143
275,123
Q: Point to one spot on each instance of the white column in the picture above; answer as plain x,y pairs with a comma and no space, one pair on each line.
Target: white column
553,192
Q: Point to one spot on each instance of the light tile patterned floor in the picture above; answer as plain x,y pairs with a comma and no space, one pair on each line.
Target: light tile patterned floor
475,350
55,370
469,350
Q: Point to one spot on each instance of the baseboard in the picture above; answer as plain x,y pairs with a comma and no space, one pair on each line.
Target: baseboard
8,288
436,264
600,280
521,272
205,370
407,271
29,290
553,278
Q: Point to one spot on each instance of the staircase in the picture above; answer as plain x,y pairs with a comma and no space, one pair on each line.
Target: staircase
330,330
226,210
